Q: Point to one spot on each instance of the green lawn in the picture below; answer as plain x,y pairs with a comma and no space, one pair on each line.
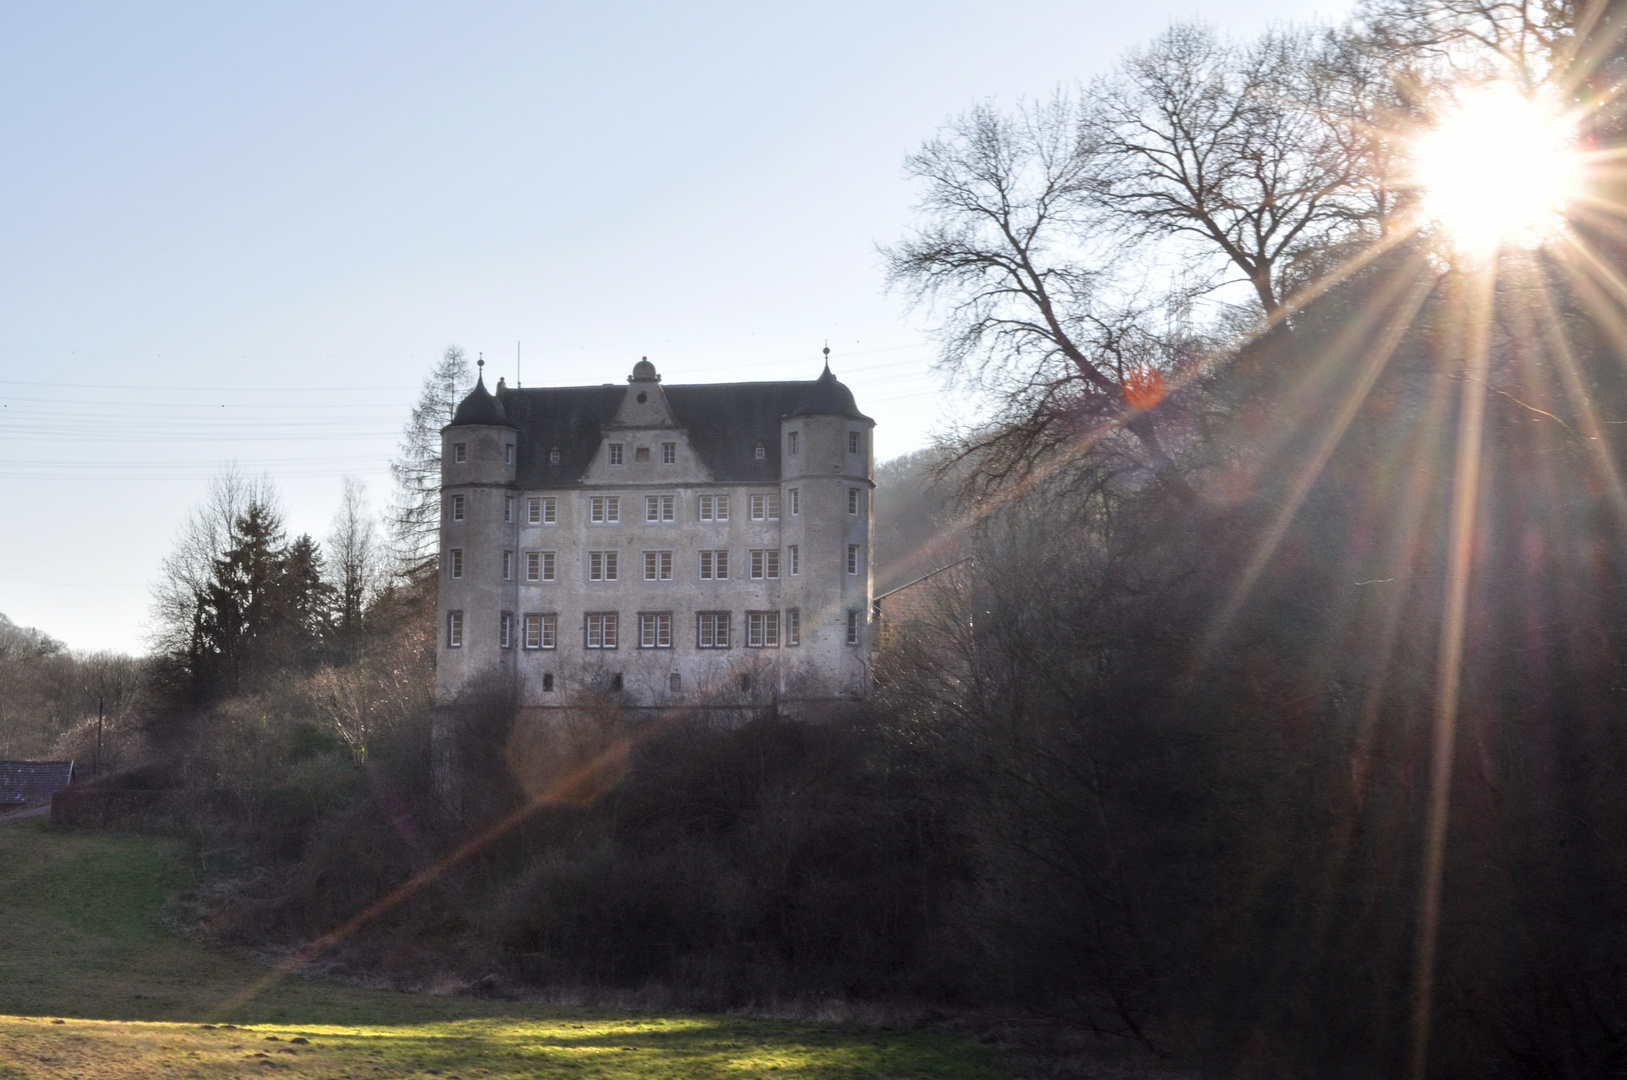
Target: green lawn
91,986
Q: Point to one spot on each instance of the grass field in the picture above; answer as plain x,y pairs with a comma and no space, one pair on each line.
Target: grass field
92,987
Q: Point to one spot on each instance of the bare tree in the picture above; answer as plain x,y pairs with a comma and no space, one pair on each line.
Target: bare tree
354,555
415,515
1234,151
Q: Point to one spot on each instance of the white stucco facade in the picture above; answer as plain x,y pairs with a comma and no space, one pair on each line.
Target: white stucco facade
662,546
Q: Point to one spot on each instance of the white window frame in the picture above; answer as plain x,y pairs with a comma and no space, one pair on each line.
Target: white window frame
457,508
853,503
713,508
454,629
615,455
852,626
460,453
793,560
604,509
508,509
655,629
853,559
714,564
765,564
660,508
602,565
600,627
765,507
508,453
508,565
658,566
709,626
796,501
542,628
669,453
505,630
793,626
762,629
454,564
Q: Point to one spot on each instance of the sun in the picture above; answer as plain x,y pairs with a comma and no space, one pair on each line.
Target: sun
1498,168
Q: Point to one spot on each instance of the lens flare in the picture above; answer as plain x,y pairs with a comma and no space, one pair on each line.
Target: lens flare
1497,169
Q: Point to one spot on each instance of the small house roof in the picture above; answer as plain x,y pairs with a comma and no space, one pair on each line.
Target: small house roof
29,783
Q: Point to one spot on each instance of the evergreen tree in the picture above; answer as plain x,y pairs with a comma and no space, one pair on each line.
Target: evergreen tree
415,515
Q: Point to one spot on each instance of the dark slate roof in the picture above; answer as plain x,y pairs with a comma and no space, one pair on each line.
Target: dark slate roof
30,783
480,407
724,422
828,397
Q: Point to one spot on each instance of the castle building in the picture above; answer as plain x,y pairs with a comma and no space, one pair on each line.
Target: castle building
669,545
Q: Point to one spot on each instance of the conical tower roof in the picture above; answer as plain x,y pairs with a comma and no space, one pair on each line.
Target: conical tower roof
828,397
481,407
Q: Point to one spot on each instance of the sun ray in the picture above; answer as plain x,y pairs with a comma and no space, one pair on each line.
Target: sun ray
1449,661
1416,291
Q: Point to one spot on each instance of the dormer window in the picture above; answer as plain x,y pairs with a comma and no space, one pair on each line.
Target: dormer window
553,456
615,453
460,452
762,452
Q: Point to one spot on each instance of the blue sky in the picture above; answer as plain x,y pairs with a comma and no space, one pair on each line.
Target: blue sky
234,233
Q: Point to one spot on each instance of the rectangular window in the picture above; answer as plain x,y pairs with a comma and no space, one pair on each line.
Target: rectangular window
853,501
714,565
508,454
541,631
508,509
615,453
796,501
712,630
791,554
765,507
602,566
550,511
601,630
454,629
852,626
455,562
853,442
714,508
533,511
539,566
660,507
853,558
658,566
762,629
655,630
792,441
793,626
505,630
669,453
460,452
604,509
508,566
765,563
457,508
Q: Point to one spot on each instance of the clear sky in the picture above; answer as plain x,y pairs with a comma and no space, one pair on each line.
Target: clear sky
245,232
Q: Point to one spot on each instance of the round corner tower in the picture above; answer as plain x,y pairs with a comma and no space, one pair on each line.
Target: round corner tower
827,482
477,575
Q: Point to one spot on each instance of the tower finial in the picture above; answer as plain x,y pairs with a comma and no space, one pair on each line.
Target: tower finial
827,356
